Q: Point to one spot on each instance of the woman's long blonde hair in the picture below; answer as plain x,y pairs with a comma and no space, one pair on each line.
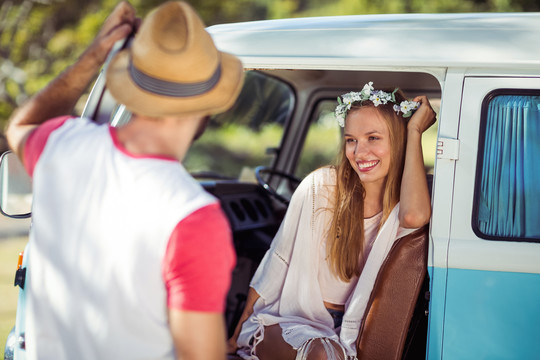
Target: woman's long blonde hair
346,235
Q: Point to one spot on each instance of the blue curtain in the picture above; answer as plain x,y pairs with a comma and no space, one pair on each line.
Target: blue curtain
510,185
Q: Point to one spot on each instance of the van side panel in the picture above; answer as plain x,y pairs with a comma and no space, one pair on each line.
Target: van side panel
492,315
437,277
493,283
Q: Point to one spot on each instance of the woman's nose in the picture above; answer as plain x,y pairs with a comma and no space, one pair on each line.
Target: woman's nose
360,148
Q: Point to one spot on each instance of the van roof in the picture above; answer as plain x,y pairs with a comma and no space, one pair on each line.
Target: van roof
471,40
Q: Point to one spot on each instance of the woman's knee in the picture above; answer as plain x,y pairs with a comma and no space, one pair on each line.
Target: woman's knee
273,347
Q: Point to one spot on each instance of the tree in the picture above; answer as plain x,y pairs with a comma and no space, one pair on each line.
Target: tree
40,38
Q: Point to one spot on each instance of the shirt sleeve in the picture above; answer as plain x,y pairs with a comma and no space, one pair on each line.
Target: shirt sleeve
199,260
273,268
402,232
35,143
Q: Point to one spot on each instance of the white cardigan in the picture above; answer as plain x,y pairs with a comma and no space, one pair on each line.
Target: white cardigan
286,278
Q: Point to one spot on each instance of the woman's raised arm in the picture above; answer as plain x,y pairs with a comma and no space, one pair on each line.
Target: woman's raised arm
415,202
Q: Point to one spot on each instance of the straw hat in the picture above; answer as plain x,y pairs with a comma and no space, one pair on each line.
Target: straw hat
173,67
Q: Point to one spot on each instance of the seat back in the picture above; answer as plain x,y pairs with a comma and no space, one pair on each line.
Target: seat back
385,325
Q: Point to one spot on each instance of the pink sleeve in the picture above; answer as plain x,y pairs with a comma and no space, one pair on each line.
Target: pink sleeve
35,143
199,261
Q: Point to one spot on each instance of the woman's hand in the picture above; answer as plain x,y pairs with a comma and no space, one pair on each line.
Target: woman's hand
232,346
252,297
423,117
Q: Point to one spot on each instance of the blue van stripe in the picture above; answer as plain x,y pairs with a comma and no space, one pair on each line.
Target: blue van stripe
487,315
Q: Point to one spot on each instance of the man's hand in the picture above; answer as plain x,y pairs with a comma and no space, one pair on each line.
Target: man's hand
118,25
60,96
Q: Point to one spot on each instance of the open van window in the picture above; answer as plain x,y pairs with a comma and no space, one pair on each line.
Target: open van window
246,136
323,139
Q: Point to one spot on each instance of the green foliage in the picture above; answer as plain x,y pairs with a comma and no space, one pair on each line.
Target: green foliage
352,7
228,149
40,38
321,148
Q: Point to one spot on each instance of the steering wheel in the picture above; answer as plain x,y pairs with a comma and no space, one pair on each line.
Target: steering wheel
259,170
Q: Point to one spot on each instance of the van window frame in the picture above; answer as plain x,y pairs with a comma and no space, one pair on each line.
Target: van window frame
480,161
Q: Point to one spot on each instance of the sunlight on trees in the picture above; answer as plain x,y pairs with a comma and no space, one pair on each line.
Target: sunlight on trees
40,38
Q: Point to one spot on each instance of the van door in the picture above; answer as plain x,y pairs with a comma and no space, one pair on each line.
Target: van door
493,279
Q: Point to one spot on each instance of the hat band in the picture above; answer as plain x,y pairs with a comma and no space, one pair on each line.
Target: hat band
173,89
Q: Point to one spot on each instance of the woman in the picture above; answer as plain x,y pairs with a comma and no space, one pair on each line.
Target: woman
309,294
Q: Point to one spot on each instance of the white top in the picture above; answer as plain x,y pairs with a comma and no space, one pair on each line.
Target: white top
333,289
287,278
95,264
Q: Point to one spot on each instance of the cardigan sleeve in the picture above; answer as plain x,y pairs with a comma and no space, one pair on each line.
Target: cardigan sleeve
286,279
270,275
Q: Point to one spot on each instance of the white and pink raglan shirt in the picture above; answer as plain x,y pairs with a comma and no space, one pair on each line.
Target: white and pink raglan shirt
116,239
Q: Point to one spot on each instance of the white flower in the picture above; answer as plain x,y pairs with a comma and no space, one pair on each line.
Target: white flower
356,96
404,107
385,97
377,97
351,97
341,109
340,120
347,98
407,107
380,97
341,112
340,117
367,89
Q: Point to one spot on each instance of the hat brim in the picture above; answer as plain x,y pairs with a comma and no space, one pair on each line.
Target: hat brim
218,99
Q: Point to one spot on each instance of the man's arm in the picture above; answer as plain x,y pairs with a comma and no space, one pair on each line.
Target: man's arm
60,95
197,269
198,335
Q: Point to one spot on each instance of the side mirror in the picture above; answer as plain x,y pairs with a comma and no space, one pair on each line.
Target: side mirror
15,188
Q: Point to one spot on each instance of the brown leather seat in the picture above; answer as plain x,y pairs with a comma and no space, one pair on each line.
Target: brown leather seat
384,329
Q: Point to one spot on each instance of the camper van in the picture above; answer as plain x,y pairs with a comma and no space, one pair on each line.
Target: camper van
468,286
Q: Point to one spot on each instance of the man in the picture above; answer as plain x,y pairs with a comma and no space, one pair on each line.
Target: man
128,256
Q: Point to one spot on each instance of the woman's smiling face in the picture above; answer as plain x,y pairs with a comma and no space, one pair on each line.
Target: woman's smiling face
367,144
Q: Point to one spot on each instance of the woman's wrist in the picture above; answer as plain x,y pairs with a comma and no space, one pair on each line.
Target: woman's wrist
413,132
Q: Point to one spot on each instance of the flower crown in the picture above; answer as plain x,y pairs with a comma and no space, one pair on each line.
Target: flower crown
377,97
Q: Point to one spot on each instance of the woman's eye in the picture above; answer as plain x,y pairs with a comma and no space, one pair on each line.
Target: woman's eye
349,141
371,138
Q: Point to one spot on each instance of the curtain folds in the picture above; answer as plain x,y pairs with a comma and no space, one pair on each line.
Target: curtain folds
510,183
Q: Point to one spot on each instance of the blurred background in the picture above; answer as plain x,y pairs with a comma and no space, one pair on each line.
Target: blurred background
40,38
